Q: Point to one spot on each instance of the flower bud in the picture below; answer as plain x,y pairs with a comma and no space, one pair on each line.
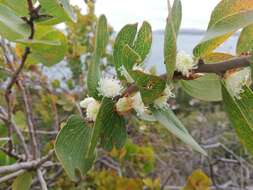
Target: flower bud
92,107
124,105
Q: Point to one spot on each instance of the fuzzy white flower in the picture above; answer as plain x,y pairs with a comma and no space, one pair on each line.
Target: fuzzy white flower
235,81
135,102
109,87
184,64
161,102
138,104
92,107
142,111
124,73
84,104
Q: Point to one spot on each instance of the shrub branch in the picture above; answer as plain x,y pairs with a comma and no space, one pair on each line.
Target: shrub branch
219,68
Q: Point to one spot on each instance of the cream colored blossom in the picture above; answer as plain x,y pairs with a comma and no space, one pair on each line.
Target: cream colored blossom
142,111
135,102
109,87
124,104
235,81
138,104
84,104
184,64
92,107
161,102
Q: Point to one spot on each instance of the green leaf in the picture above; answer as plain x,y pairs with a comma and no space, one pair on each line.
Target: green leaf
3,136
168,119
113,132
246,103
12,27
204,48
6,160
102,36
22,8
20,119
126,36
143,42
103,117
205,88
245,42
217,57
71,147
251,66
227,17
59,10
48,47
100,48
68,9
29,42
240,114
150,86
198,181
170,39
48,54
22,182
130,57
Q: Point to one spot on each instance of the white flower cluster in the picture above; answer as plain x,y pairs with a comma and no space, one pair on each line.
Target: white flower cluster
184,64
235,81
135,102
138,104
142,111
161,102
92,107
109,87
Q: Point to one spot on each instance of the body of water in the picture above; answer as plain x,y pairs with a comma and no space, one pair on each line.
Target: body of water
187,40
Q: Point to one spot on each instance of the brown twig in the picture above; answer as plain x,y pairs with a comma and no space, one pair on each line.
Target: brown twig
6,116
57,174
25,95
40,132
30,6
8,93
12,154
14,77
30,120
42,181
34,164
11,176
12,124
218,68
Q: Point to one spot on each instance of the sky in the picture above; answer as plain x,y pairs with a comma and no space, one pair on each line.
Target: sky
196,13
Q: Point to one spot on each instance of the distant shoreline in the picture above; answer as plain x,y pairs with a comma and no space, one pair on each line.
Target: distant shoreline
189,32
